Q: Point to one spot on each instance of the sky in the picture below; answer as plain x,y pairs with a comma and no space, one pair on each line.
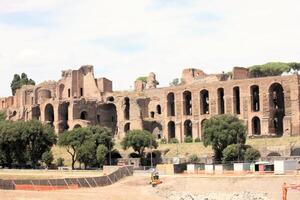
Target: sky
127,39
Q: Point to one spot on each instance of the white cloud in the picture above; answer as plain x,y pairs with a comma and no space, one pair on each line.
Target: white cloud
126,39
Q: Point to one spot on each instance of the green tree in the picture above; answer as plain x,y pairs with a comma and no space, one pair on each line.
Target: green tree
175,82
269,69
60,162
251,154
139,140
86,153
221,131
294,66
82,143
143,79
233,152
23,143
18,81
102,151
47,158
39,138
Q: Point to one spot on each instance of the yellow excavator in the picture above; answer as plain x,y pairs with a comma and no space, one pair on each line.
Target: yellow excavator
155,179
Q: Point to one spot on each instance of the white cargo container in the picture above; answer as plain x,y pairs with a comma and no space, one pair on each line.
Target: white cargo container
193,168
219,169
241,167
209,169
283,166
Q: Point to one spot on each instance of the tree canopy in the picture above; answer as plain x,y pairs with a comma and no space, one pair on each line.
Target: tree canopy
143,79
221,131
273,69
23,143
139,140
18,81
83,144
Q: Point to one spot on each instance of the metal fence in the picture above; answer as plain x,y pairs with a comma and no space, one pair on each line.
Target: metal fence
67,183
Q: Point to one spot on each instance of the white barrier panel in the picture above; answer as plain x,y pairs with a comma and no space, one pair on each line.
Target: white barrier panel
283,166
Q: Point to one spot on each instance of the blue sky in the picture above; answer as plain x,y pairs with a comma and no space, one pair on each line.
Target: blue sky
128,39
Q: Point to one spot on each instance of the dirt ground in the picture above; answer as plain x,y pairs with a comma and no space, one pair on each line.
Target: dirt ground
137,188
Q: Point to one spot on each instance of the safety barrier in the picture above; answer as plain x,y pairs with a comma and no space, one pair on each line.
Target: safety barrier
67,183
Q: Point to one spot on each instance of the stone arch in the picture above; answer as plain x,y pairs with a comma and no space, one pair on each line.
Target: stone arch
49,114
158,109
127,127
127,108
188,128
77,126
63,116
256,127
236,100
171,130
204,102
171,104
84,115
187,103
221,102
254,93
277,108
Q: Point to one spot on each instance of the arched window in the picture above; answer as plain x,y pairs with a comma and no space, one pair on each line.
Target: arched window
158,109
171,104
171,130
84,115
63,116
277,108
236,101
188,128
204,102
127,108
187,103
221,106
256,126
127,127
254,90
49,114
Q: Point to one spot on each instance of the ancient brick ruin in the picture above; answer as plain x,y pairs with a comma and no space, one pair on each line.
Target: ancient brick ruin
268,105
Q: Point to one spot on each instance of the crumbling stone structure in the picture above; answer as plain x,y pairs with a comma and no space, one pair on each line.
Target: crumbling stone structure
268,105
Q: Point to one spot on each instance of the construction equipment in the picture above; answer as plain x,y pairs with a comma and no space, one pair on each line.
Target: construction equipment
287,187
155,179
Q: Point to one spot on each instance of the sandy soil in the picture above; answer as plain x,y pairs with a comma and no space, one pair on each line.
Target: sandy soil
137,188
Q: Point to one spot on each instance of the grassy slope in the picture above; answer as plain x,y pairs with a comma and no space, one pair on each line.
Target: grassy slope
186,149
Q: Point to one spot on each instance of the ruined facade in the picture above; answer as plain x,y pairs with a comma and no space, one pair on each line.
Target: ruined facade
268,105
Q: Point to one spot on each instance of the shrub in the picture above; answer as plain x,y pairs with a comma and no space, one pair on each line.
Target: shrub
194,158
197,140
47,158
233,152
251,154
188,139
163,141
60,162
174,140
